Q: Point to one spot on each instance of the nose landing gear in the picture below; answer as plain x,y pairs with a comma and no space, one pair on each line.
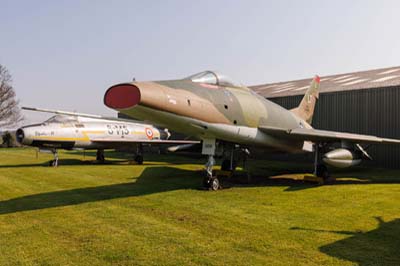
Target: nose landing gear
211,180
54,162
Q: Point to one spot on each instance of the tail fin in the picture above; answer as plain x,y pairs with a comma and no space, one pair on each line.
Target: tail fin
306,108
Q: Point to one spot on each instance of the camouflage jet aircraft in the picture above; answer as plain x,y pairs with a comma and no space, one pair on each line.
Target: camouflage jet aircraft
224,114
67,130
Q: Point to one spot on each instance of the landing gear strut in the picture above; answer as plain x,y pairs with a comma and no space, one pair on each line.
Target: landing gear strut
320,169
139,154
229,164
211,180
100,156
54,162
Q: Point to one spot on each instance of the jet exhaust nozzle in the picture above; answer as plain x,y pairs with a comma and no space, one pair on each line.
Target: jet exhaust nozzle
20,135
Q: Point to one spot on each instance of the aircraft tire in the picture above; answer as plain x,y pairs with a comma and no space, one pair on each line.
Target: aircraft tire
214,184
211,183
322,171
139,159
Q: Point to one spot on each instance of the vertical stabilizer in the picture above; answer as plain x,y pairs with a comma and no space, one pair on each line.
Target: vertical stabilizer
306,108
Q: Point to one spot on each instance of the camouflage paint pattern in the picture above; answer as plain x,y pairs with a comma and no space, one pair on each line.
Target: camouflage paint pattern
193,108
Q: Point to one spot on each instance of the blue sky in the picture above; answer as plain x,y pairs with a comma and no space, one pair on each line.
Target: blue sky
65,54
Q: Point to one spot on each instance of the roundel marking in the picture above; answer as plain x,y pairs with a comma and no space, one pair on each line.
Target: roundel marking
149,133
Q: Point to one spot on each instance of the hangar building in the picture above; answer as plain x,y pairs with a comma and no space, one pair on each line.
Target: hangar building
365,102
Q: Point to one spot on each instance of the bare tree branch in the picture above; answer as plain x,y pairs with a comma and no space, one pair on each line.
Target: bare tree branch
10,114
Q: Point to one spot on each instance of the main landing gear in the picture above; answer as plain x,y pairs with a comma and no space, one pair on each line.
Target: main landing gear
139,154
138,159
100,156
320,169
54,162
229,164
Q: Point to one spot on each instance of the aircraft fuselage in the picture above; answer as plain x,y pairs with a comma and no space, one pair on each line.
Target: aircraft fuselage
206,111
84,135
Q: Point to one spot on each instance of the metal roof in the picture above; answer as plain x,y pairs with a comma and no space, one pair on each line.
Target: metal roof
376,78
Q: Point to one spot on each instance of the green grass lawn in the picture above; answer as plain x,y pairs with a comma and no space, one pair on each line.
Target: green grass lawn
155,214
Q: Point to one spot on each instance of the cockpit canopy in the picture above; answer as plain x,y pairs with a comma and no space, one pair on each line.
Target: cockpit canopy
213,78
61,119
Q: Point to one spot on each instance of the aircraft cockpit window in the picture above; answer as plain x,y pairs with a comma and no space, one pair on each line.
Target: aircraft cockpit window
213,78
61,119
227,81
207,77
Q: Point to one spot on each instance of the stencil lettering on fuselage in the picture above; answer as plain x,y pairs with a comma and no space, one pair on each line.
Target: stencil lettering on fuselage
119,130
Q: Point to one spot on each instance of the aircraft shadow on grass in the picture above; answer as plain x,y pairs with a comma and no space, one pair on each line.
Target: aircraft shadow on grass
279,176
47,163
176,158
118,158
83,163
152,180
376,247
161,178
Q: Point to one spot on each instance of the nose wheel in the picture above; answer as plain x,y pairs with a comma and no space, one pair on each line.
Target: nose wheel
211,181
214,184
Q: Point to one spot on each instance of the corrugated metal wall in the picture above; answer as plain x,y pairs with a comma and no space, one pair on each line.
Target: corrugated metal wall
370,111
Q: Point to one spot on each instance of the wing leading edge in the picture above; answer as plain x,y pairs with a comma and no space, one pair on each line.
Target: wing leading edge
316,135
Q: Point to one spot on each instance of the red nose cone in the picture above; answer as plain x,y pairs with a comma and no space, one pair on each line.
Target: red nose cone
122,96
